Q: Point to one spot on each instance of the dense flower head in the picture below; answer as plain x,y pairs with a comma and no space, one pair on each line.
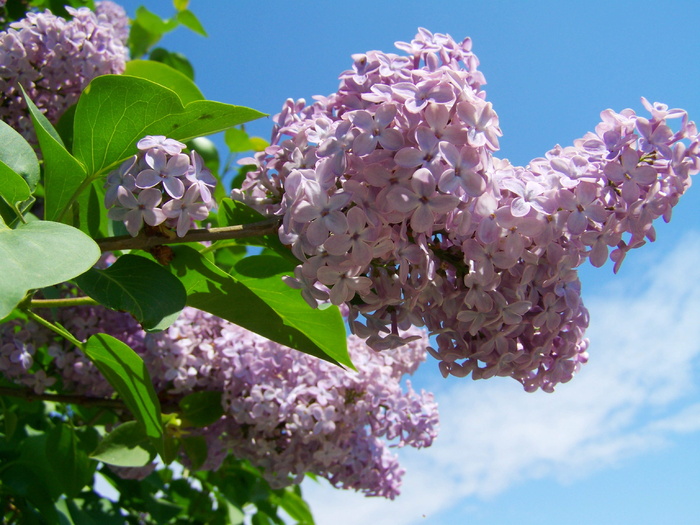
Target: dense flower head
55,59
114,15
286,412
160,185
394,203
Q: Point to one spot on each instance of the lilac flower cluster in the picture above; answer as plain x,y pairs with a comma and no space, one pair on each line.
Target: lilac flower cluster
160,185
394,203
54,60
286,412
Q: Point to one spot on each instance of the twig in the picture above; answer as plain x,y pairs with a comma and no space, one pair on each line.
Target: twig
143,241
60,303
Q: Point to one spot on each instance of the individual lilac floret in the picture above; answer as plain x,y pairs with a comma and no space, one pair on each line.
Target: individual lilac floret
286,412
54,60
160,185
394,203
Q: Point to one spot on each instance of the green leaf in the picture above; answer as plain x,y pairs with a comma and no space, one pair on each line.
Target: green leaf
89,211
196,449
188,19
237,140
141,39
63,173
153,22
288,320
165,76
181,5
18,155
39,254
139,286
175,60
262,274
234,212
70,465
200,409
294,505
115,111
126,372
235,515
13,188
125,446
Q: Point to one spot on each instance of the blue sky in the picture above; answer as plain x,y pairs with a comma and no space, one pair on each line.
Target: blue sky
620,444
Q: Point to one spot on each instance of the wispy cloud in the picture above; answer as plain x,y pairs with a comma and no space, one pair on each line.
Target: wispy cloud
634,396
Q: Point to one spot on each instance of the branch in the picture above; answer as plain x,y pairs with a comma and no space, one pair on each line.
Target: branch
30,395
144,241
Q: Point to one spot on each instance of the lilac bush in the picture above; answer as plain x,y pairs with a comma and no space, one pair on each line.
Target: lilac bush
394,203
286,412
55,59
160,185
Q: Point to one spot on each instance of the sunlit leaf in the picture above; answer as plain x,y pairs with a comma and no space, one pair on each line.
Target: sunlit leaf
188,19
287,319
166,76
126,372
116,111
63,173
39,254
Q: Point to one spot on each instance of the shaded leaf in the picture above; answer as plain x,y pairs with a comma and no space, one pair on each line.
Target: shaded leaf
126,372
139,286
202,408
39,254
70,465
196,449
175,60
125,446
116,111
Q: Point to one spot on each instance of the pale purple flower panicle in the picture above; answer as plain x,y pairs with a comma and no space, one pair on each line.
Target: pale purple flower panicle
54,60
160,185
394,202
116,16
286,412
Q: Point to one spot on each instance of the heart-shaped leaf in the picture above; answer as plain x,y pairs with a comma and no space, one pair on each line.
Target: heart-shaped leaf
39,254
138,285
125,446
115,111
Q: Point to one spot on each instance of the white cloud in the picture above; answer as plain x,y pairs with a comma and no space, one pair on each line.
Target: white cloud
634,396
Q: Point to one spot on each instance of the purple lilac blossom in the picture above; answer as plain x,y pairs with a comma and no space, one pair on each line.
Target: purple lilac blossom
114,15
54,60
286,412
480,252
160,185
